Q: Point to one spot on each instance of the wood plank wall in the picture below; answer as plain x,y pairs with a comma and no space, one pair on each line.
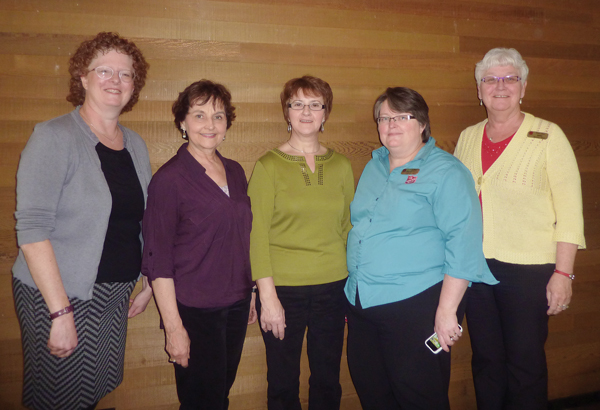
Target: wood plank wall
360,47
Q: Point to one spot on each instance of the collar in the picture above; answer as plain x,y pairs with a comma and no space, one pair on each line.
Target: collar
300,158
191,162
382,154
521,133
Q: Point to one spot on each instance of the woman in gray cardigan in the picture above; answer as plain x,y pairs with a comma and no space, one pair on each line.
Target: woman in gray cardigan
81,189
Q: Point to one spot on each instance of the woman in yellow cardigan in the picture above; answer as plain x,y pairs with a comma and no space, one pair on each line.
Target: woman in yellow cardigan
530,190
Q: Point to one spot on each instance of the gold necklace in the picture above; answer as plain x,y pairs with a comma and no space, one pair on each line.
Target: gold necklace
112,140
304,152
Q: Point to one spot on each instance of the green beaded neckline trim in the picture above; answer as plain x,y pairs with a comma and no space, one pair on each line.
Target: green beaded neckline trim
299,158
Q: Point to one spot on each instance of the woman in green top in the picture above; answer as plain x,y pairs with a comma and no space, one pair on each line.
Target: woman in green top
301,193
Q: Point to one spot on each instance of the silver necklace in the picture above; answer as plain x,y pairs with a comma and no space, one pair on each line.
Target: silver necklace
304,152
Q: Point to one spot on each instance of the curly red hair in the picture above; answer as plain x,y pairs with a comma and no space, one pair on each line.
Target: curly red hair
103,43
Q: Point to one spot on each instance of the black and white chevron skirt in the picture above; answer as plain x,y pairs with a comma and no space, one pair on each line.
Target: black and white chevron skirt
96,366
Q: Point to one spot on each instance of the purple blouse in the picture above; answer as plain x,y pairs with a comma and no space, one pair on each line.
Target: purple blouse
197,235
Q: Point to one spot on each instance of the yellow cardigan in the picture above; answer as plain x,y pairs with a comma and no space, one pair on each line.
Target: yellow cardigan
531,195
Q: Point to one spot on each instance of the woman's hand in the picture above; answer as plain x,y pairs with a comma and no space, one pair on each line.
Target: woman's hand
63,336
178,345
139,303
44,271
253,315
177,342
558,290
558,293
446,322
272,315
446,327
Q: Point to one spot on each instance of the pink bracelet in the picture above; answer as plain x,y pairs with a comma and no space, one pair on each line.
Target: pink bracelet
61,312
570,276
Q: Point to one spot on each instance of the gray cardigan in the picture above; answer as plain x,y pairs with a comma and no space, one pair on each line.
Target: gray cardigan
62,196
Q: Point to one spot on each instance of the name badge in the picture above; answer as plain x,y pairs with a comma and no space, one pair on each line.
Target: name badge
538,135
410,171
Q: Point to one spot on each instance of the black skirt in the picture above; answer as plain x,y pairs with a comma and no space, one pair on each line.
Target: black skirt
96,366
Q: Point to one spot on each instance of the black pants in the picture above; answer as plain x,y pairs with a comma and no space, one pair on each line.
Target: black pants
390,365
321,309
216,341
508,326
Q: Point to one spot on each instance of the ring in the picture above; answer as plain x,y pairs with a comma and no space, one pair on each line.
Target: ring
451,338
172,361
564,307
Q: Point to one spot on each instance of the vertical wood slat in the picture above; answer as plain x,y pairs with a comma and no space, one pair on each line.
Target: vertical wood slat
254,46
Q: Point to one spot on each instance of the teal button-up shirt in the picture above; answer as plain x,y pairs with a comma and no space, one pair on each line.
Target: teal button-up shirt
412,226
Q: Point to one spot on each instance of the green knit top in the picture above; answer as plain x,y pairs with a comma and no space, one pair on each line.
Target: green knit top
300,219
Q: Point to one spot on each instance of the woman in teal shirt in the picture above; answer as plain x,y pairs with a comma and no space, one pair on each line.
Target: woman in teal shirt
415,245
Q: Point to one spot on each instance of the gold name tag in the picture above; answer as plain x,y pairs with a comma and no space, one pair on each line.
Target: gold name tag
538,135
410,171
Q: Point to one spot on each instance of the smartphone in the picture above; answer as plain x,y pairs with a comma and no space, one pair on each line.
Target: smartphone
433,343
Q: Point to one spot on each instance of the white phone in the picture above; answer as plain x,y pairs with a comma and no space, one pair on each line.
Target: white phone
433,343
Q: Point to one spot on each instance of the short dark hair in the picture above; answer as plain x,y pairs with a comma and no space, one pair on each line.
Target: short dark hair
402,99
105,42
200,93
309,85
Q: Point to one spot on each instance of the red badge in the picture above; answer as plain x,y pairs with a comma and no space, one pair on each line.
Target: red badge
411,179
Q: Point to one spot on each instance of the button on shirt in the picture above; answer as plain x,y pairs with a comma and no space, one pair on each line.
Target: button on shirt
412,226
197,235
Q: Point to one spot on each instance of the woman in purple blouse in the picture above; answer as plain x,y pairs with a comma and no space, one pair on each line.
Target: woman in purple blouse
196,250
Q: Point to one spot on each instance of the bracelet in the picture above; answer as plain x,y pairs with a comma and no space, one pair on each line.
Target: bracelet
254,289
570,276
61,312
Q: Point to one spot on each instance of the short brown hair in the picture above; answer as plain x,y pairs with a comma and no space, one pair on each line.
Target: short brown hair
309,85
402,99
105,42
202,92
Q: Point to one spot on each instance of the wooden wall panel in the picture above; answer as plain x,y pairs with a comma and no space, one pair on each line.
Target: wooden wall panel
359,47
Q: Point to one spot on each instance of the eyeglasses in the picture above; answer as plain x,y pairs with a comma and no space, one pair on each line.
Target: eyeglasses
106,73
401,118
299,105
509,79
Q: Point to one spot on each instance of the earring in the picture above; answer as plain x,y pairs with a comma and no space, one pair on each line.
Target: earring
289,126
224,137
323,126
480,101
520,101
184,134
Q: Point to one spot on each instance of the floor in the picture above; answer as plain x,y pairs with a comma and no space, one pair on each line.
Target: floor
584,402
589,401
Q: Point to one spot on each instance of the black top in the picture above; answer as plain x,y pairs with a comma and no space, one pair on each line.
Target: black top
121,258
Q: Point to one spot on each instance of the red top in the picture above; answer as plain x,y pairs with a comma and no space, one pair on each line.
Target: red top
490,152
